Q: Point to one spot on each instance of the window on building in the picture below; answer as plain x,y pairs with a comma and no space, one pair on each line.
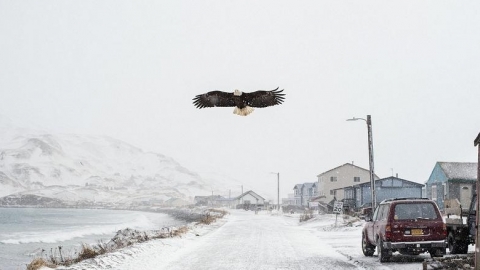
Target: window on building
356,179
444,190
434,192
333,192
333,179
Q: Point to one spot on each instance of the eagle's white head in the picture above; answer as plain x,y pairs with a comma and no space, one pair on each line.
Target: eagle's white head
237,92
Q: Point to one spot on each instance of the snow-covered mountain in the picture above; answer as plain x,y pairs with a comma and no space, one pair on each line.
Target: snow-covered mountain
79,168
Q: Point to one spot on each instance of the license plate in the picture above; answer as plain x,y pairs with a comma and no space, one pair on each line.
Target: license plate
417,232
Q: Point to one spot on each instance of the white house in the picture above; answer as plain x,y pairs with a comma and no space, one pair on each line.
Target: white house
249,198
332,182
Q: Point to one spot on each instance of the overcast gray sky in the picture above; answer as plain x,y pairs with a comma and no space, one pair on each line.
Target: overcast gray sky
129,69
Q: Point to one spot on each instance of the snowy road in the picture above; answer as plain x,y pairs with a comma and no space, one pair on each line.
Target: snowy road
265,242
244,240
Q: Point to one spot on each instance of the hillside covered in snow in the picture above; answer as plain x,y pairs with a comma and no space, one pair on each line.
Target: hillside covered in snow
80,169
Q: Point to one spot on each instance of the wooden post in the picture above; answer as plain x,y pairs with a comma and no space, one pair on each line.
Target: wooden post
476,142
60,251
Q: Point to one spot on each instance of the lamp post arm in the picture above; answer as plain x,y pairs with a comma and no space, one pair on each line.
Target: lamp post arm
356,118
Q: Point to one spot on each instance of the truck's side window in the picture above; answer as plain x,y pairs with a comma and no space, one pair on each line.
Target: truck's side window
384,212
381,213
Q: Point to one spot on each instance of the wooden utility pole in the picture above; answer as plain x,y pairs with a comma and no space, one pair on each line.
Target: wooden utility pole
370,157
477,218
370,161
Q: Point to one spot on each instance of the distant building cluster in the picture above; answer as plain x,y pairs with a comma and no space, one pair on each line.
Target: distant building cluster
350,184
248,200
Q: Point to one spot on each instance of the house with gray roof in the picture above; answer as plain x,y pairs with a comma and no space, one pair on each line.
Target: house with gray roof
304,192
249,199
297,194
309,190
452,180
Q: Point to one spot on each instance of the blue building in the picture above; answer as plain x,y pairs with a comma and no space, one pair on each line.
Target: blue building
385,188
304,192
452,180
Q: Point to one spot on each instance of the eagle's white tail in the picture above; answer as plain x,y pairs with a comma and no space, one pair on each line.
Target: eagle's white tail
244,111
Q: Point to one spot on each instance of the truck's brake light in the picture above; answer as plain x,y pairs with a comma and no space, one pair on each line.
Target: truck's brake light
388,233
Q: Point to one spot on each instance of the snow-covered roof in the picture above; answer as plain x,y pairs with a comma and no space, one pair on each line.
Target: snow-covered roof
459,170
345,165
298,186
252,193
308,185
377,181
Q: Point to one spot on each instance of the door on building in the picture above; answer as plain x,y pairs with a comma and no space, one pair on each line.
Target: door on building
465,196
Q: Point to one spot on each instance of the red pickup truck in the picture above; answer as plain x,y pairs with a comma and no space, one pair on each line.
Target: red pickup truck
407,225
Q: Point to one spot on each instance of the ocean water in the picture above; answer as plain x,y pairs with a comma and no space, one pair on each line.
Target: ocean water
27,233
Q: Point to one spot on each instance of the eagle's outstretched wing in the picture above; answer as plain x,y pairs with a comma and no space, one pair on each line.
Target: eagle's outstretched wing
214,99
262,98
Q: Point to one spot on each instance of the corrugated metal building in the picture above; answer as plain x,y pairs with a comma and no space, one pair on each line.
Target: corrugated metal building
385,188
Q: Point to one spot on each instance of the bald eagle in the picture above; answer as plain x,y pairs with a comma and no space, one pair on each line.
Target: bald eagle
243,102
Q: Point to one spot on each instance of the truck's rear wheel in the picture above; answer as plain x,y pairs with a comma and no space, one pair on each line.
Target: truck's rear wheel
383,253
367,248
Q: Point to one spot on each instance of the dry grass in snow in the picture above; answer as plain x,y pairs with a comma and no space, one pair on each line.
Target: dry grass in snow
122,239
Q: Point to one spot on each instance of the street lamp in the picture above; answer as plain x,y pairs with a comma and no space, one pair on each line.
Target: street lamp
370,156
278,190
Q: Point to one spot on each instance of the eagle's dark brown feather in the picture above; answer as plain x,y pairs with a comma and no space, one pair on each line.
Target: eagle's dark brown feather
262,98
258,99
214,99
